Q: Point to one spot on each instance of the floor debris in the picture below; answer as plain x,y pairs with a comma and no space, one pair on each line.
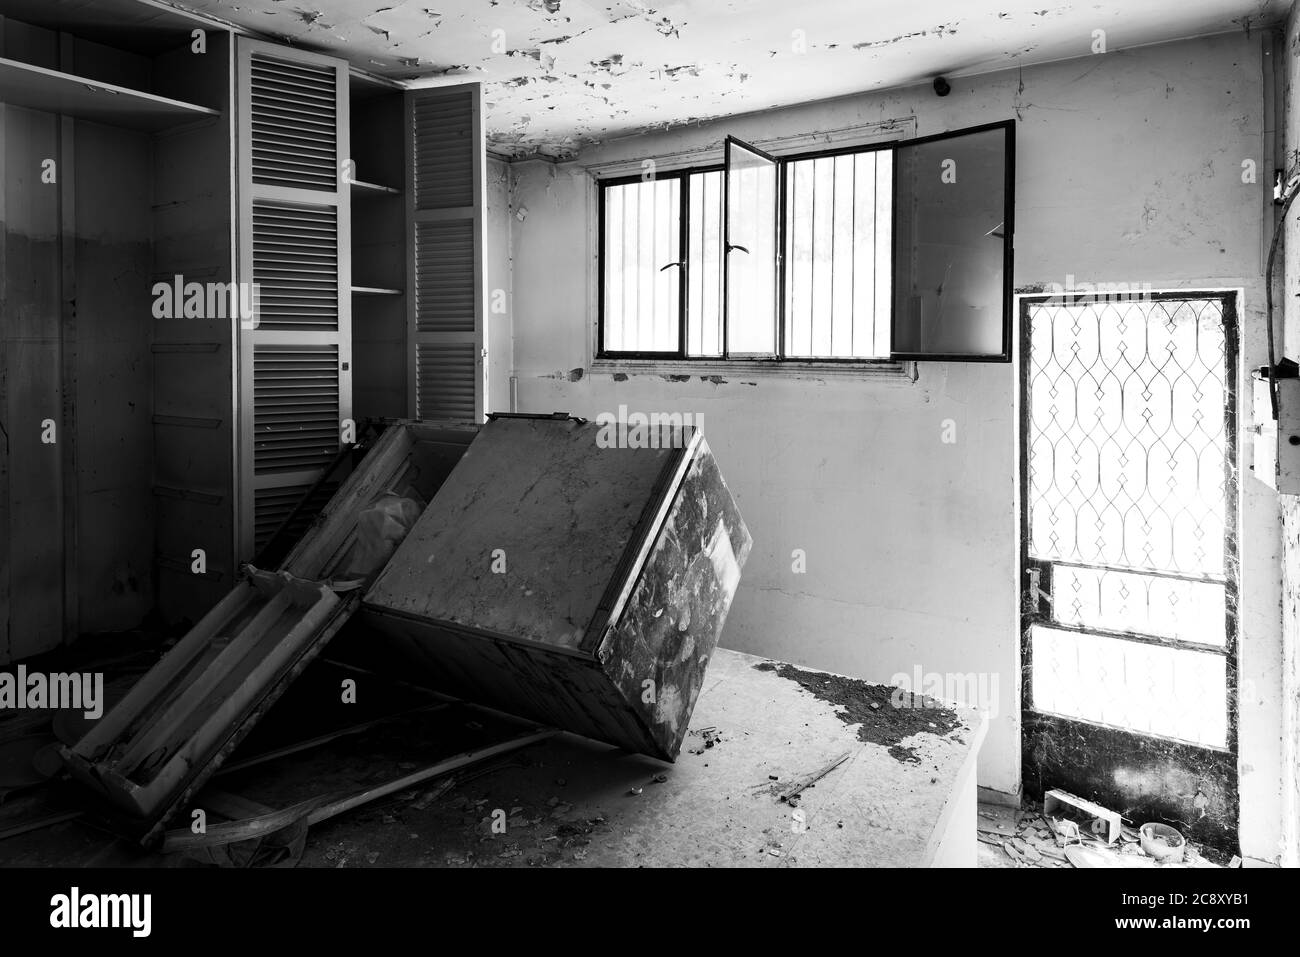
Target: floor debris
1030,838
710,737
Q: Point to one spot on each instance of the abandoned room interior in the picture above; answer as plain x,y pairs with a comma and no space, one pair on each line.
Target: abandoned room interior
560,433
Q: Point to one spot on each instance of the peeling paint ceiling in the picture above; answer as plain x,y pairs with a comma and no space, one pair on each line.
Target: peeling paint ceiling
560,74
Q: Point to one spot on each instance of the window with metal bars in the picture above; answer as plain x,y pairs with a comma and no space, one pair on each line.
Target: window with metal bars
885,252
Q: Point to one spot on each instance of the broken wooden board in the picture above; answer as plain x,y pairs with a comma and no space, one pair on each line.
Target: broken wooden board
570,583
1107,823
414,457
170,730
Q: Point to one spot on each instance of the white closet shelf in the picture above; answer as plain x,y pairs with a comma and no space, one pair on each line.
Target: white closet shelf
372,189
52,91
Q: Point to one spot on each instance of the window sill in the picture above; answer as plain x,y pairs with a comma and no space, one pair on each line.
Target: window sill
742,369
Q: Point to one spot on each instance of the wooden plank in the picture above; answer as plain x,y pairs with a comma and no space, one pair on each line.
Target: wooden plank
186,720
164,722
195,643
204,729
323,807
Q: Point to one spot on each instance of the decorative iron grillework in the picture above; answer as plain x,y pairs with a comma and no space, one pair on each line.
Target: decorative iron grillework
1128,428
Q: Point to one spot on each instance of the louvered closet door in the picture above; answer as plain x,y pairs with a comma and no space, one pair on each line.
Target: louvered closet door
295,384
446,281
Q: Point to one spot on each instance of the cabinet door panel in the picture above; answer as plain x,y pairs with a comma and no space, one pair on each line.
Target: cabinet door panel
295,252
446,287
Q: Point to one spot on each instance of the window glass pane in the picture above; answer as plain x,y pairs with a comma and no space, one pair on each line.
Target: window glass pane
1171,692
950,257
704,274
1131,602
837,256
642,235
751,208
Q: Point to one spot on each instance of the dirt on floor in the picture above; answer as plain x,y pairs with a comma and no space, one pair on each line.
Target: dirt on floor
884,714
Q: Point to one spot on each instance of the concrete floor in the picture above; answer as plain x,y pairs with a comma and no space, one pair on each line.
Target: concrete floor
573,802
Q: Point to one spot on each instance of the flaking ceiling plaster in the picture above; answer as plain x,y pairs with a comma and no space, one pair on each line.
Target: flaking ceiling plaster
559,74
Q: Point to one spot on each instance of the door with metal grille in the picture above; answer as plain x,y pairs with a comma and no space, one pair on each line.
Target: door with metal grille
295,355
1129,530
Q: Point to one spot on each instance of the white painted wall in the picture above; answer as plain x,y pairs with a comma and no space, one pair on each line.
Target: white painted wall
1128,169
1289,345
500,332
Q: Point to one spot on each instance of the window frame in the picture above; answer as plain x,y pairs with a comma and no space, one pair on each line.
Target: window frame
683,239
894,362
1008,250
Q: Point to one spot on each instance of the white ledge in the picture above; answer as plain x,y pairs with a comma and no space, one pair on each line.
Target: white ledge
744,369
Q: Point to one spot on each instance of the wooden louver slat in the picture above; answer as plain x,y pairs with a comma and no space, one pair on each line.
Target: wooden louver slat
443,161
444,276
295,265
295,407
445,380
273,505
294,119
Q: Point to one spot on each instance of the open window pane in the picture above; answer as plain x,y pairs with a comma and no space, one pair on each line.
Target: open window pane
837,279
704,265
952,246
750,214
642,269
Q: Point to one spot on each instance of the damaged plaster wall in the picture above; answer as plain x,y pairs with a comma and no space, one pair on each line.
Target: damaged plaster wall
500,334
1290,503
1128,170
559,75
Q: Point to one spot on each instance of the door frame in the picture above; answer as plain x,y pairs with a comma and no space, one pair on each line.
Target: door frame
1095,751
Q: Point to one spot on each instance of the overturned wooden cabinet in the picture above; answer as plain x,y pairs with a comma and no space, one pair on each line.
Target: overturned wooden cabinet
553,575
560,575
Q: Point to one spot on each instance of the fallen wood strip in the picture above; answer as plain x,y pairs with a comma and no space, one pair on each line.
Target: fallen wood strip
36,823
433,771
323,807
809,780
308,743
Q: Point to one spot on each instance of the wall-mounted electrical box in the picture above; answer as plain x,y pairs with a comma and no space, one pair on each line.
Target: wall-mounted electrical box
1277,441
